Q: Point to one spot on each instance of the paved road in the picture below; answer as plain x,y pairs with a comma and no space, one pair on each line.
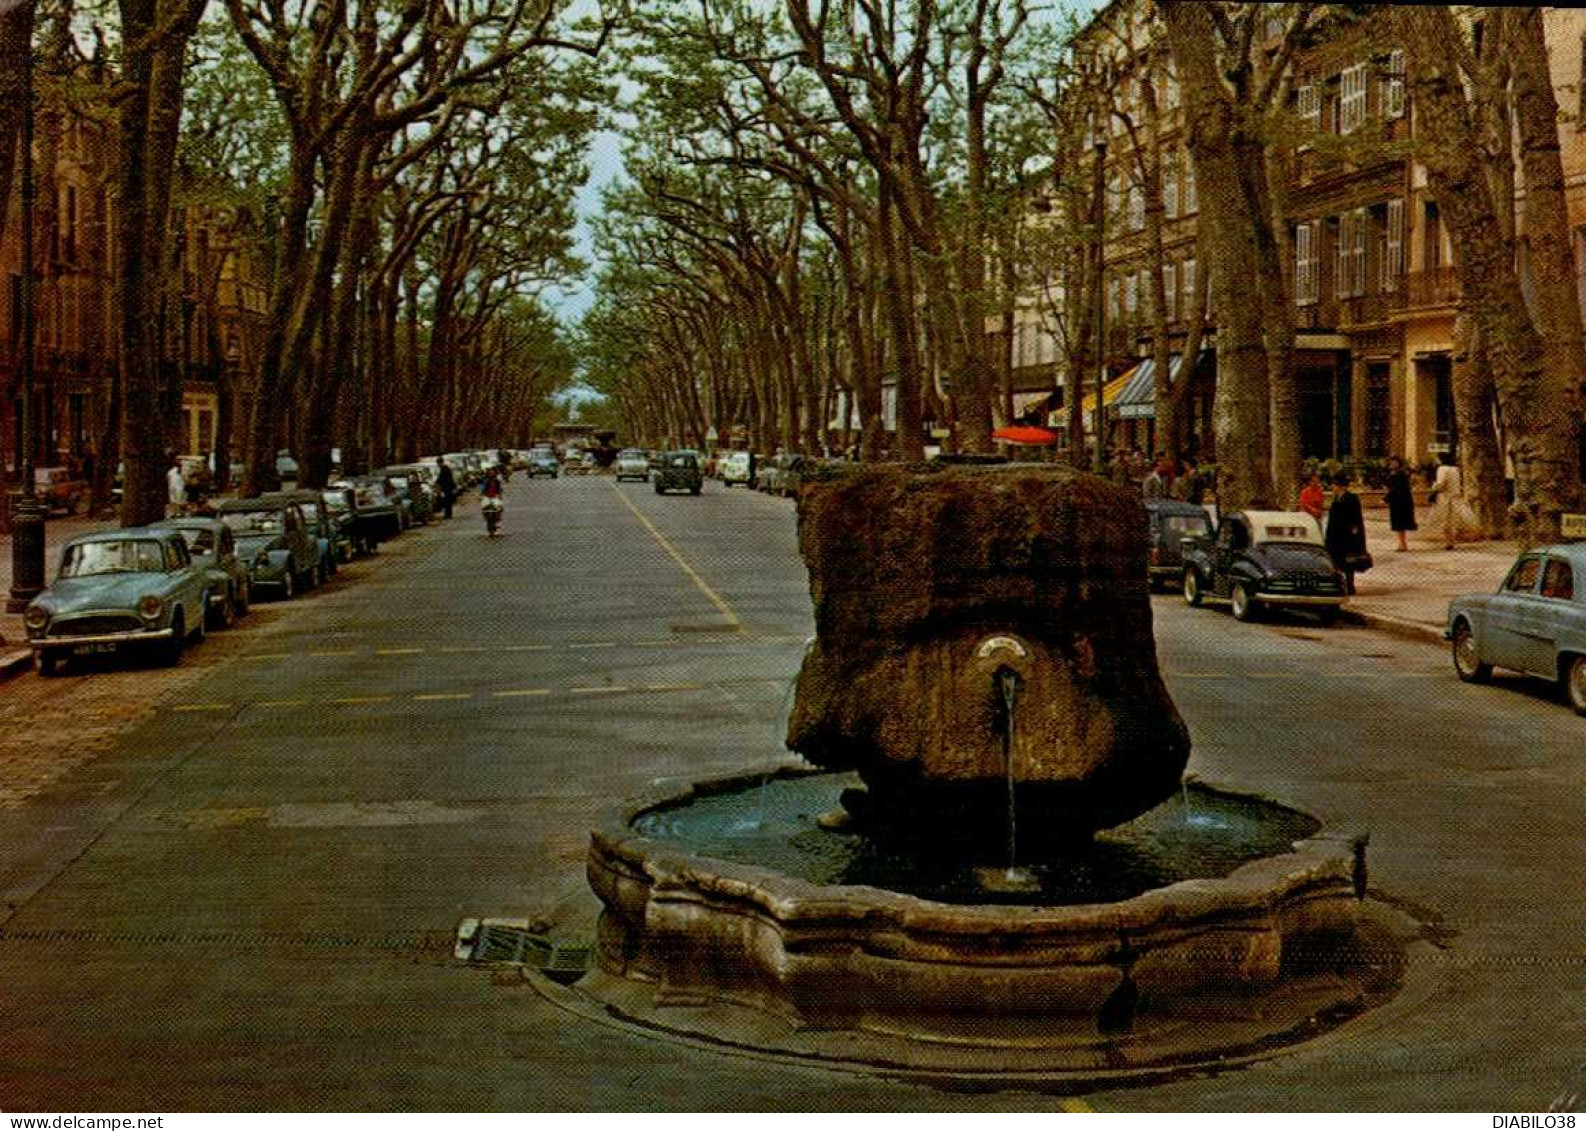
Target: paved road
244,896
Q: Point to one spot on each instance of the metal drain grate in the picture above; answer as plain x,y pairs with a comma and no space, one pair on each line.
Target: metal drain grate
510,942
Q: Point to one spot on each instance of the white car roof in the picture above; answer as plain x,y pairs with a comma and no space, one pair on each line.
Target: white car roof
1283,526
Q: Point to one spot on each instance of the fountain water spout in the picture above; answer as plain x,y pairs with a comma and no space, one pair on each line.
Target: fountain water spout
1007,683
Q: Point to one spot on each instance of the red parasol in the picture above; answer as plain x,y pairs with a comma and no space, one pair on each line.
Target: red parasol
1025,434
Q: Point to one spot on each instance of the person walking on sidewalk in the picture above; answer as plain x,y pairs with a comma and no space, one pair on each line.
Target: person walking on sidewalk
446,484
1346,532
175,489
1451,513
1312,501
1401,502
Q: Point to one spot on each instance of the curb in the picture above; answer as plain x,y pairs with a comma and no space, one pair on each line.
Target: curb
15,663
1395,626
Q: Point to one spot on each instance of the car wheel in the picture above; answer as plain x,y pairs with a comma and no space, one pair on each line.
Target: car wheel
1467,661
659,490
178,641
47,665
1575,683
244,598
1327,616
288,586
1244,605
1192,587
693,490
201,629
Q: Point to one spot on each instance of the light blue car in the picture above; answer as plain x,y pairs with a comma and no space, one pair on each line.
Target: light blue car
1535,623
137,586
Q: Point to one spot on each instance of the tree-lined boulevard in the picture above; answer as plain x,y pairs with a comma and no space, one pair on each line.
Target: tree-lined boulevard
249,897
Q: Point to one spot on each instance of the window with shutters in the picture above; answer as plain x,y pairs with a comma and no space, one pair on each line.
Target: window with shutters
1131,300
1352,98
1136,208
1187,285
1393,95
1393,246
1170,186
1305,276
1190,201
1308,105
1170,291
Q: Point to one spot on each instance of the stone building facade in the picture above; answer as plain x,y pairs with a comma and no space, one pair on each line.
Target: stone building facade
1368,258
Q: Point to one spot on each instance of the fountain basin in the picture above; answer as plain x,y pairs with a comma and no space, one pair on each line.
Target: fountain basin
700,929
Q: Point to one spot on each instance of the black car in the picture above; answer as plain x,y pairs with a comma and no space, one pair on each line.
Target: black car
1258,559
1169,522
678,471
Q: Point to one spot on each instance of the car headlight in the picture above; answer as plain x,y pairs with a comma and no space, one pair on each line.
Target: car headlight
150,607
37,618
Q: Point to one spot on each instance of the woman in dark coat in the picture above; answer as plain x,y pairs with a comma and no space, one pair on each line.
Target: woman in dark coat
1401,503
1346,529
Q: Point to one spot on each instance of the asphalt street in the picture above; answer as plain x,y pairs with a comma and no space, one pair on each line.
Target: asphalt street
242,892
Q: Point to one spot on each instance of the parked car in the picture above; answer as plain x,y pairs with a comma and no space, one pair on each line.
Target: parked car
58,488
321,526
408,490
378,517
1169,522
735,469
678,471
1259,559
137,586
1535,623
213,548
632,464
464,468
353,529
274,540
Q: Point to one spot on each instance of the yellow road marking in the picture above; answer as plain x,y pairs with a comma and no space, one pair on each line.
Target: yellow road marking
1076,1107
359,700
440,696
523,694
189,708
735,624
527,648
398,651
457,651
593,690
282,703
672,687
334,652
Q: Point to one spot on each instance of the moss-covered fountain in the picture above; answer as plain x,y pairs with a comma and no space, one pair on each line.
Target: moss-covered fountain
995,863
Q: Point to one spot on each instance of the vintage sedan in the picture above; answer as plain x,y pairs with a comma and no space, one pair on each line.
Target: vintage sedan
322,526
543,462
213,549
274,540
378,514
1535,623
136,586
678,471
352,534
1263,559
632,464
1168,523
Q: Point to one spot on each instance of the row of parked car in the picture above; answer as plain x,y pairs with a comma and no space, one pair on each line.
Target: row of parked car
166,585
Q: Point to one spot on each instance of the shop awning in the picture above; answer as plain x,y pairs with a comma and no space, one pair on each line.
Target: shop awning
1110,393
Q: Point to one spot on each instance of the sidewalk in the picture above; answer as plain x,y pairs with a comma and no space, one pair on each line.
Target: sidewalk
13,656
1408,593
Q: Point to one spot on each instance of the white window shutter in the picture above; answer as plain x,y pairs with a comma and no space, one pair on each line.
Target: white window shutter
1189,283
1170,187
1191,199
1170,291
1308,104
1393,100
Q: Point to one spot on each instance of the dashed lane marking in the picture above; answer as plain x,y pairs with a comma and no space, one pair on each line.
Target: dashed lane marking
527,647
266,656
334,652
361,700
523,693
587,647
443,696
673,687
396,652
733,623
282,703
595,690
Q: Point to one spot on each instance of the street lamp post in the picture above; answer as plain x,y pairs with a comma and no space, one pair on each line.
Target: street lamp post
1100,188
27,513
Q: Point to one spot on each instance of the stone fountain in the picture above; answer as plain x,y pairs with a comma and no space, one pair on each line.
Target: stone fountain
999,865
